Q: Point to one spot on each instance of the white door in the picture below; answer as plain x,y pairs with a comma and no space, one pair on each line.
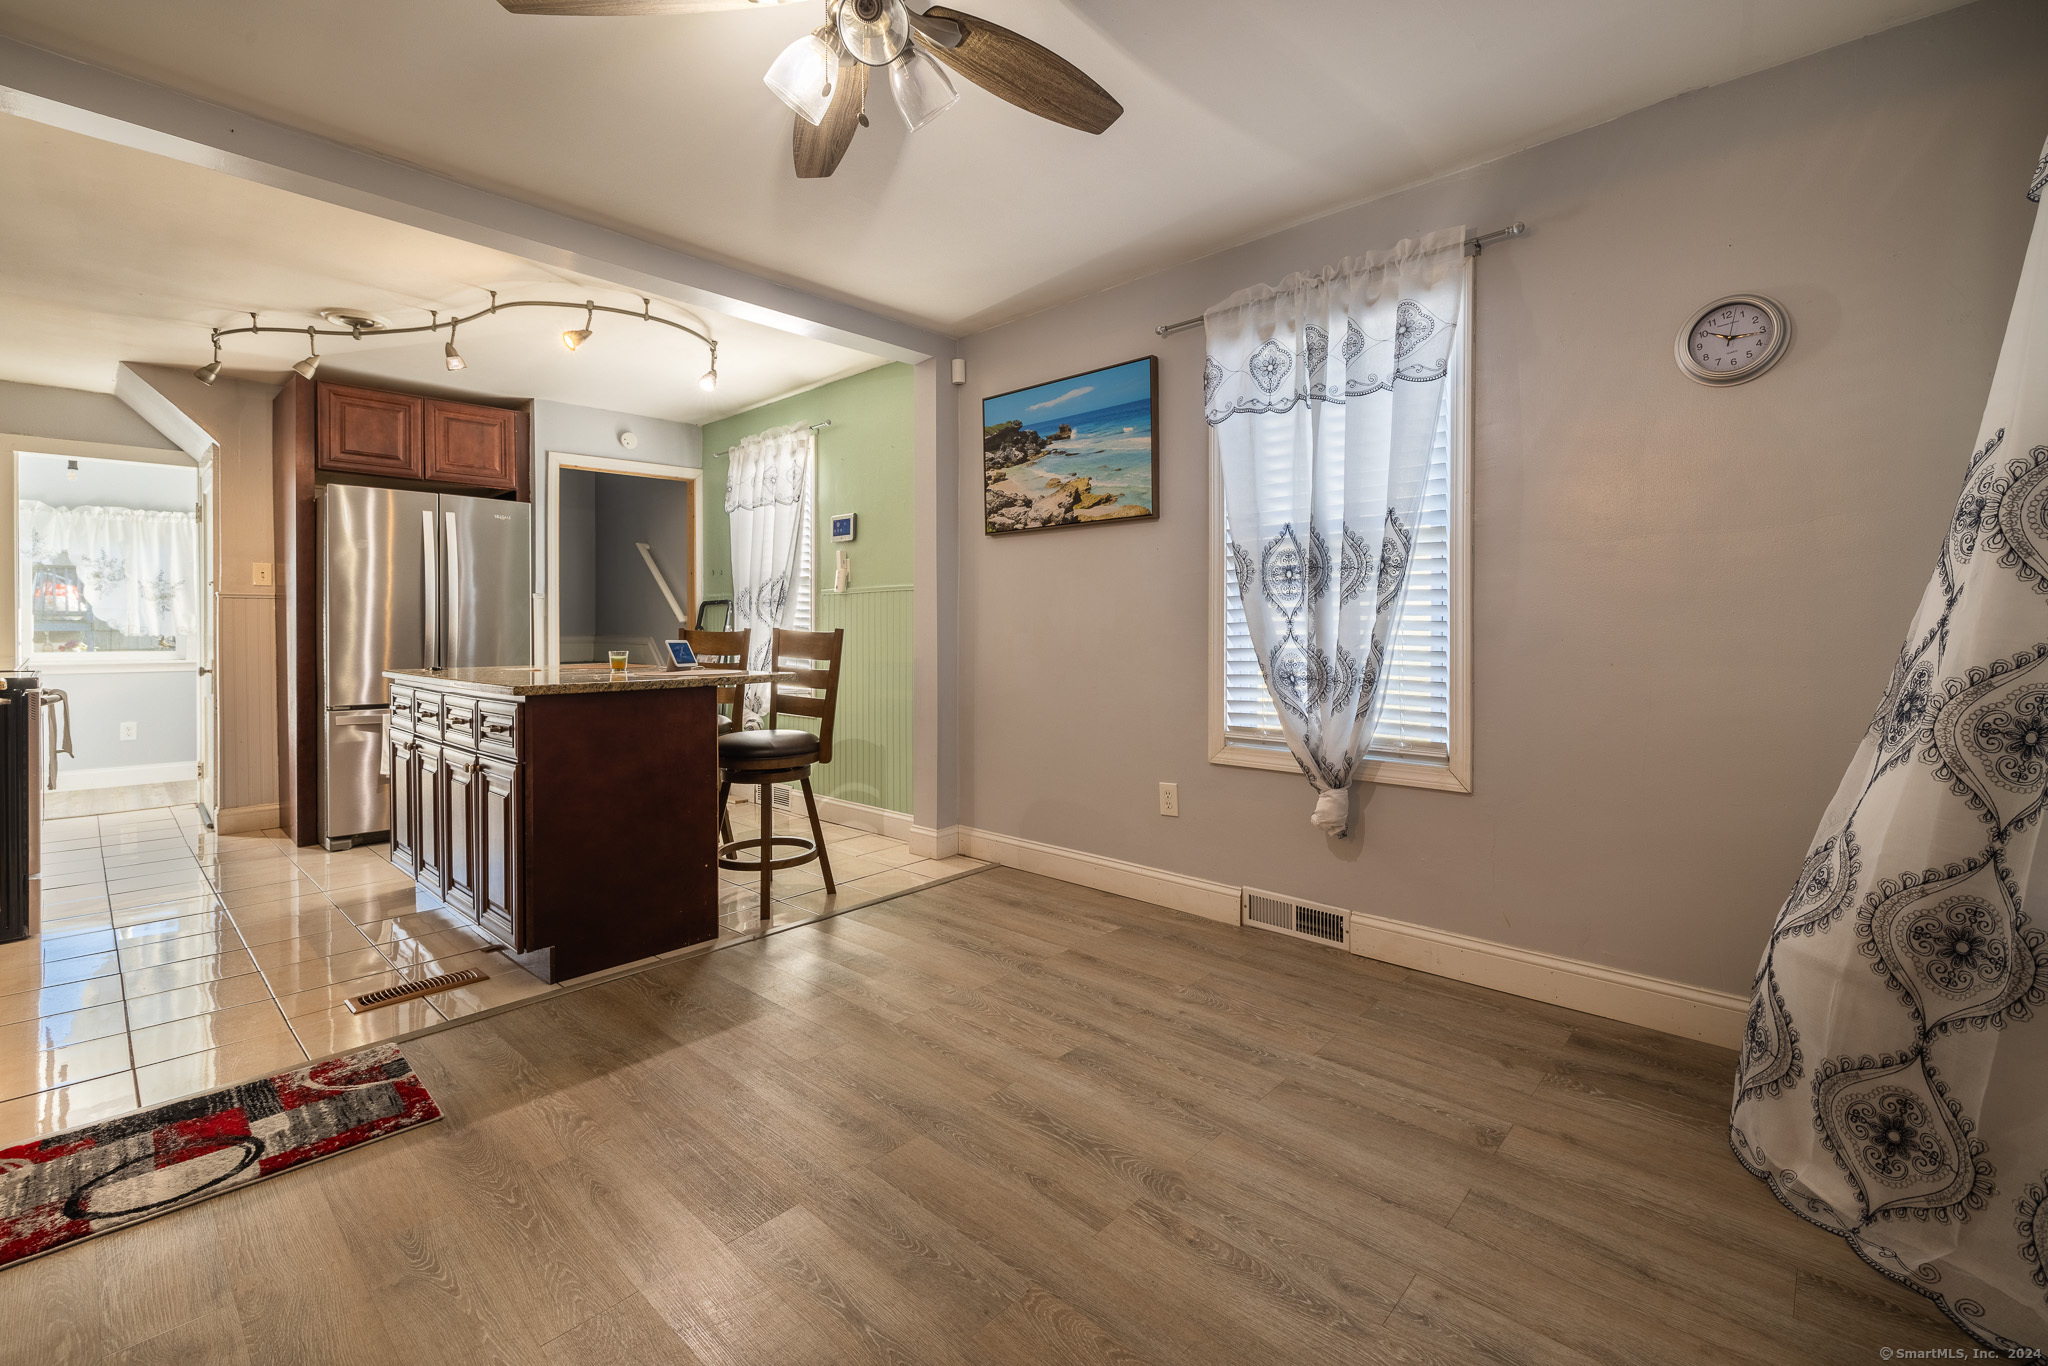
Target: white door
209,727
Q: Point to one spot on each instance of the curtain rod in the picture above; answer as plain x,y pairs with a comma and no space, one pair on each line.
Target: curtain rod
1474,246
814,427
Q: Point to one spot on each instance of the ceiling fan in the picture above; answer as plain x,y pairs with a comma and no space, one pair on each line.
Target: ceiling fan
823,76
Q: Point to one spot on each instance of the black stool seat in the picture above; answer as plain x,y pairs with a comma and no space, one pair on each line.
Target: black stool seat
752,747
726,725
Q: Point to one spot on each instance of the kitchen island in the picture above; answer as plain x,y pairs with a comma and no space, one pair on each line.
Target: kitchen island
573,817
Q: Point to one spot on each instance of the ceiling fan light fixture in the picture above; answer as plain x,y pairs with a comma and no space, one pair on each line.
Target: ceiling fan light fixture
875,31
804,77
922,89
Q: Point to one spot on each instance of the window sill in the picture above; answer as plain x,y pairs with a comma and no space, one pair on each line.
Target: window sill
1435,774
117,664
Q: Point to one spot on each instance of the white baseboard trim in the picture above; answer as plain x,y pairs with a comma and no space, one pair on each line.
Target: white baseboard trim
1610,993
240,820
1652,1002
928,843
1196,896
860,816
132,775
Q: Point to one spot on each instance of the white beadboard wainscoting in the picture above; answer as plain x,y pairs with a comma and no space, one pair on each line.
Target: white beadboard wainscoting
245,680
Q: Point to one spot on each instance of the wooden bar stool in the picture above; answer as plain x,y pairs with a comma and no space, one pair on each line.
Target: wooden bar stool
769,756
724,650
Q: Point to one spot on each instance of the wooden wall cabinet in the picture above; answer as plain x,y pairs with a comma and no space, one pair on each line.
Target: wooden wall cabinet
469,444
368,431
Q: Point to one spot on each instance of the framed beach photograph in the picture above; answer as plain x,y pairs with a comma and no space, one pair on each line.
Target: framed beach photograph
1073,451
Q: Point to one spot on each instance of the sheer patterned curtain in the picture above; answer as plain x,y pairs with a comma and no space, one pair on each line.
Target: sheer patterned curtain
1892,1086
1324,397
139,569
767,484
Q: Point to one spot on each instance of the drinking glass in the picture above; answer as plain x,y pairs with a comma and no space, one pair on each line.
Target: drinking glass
618,664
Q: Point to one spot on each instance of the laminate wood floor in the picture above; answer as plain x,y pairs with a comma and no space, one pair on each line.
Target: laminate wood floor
1007,1120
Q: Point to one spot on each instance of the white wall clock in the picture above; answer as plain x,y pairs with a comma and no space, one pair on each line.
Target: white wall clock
1733,339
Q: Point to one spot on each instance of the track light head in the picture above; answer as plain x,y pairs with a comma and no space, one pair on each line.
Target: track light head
308,366
709,381
577,336
455,360
207,374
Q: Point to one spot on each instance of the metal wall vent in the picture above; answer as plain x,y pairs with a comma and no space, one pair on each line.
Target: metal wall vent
412,991
1297,919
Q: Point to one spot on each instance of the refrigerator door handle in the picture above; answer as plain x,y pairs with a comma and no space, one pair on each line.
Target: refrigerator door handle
430,581
456,588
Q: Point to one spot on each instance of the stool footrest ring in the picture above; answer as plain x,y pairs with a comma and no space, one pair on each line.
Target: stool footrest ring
727,853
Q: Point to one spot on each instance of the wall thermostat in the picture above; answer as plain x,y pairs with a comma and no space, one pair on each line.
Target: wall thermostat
842,526
628,440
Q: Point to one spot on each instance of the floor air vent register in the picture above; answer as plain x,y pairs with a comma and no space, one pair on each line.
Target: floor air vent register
412,991
1295,919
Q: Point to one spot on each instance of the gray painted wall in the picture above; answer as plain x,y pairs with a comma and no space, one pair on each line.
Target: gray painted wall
163,705
1686,600
74,415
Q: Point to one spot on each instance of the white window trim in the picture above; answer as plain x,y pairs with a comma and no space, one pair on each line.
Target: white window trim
1452,773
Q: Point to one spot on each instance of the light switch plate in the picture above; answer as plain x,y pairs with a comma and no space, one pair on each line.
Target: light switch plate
259,574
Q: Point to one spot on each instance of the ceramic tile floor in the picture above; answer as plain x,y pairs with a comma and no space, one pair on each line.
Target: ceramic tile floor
173,960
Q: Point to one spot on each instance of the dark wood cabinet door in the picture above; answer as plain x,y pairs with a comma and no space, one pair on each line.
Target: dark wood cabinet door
404,804
460,792
368,431
498,854
470,444
431,825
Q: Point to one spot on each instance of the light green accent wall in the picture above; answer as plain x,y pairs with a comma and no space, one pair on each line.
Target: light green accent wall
864,467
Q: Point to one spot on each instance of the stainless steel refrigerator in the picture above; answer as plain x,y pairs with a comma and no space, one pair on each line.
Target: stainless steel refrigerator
407,581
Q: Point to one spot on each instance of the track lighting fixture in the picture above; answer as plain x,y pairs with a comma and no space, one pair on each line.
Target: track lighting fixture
356,326
577,336
208,373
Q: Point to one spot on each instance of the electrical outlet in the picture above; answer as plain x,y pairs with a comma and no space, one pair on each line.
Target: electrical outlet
1169,799
127,730
259,574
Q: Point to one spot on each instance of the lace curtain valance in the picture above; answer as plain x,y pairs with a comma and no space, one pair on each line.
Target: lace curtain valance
138,570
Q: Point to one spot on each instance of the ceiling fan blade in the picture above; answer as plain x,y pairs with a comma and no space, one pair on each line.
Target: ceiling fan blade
817,150
1031,77
594,8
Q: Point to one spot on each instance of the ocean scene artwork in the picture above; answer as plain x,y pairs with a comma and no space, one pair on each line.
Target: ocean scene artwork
1072,451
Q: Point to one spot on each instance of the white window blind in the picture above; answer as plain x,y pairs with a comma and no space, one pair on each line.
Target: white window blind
1415,720
803,615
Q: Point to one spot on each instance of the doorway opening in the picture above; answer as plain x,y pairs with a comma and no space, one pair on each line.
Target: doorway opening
112,609
625,557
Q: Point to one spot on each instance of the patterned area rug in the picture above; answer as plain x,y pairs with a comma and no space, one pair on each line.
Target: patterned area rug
67,1187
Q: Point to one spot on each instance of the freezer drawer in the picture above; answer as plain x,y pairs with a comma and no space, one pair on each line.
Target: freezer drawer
355,797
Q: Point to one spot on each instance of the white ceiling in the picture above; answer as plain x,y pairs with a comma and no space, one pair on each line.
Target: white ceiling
109,254
1242,115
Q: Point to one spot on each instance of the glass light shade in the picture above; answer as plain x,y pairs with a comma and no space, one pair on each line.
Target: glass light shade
576,337
922,89
455,360
877,37
804,76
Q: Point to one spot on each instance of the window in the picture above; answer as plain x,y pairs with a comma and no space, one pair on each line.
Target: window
107,559
1423,735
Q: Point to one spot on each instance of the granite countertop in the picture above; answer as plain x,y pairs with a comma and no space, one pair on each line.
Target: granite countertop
519,680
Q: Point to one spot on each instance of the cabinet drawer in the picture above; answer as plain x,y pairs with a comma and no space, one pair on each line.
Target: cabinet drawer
427,710
498,728
368,431
401,709
459,720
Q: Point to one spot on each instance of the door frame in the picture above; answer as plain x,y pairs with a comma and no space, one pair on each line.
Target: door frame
548,625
